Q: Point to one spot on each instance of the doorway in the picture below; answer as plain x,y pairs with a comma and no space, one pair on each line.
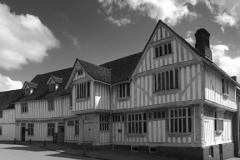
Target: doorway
60,134
87,131
23,133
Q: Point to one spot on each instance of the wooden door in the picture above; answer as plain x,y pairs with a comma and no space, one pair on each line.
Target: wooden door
60,133
23,133
87,131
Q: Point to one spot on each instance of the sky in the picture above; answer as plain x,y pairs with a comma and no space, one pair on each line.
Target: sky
40,36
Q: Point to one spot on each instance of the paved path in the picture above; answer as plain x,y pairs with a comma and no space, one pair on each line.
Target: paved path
25,152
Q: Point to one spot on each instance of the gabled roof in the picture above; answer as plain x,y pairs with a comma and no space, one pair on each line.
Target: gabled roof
8,97
97,72
29,84
42,91
55,79
122,69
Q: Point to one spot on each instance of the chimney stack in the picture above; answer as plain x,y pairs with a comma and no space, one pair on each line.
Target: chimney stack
234,78
202,43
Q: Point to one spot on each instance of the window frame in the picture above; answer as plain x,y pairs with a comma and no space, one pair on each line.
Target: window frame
70,123
30,129
157,115
51,106
123,90
218,121
166,81
83,90
225,87
76,127
163,49
104,121
134,122
177,115
24,108
50,129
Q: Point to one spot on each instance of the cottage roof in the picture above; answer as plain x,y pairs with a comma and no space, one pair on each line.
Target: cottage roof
7,97
122,69
55,79
97,72
42,91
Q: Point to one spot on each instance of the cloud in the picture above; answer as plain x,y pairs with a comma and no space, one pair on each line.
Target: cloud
74,39
23,39
119,22
227,12
189,38
223,60
170,11
8,84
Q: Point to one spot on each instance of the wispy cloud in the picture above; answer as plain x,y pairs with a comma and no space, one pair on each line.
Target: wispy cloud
189,38
63,16
223,60
170,11
23,39
119,22
7,83
73,38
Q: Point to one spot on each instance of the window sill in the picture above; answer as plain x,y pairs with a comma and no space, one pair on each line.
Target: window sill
82,99
165,56
136,135
123,99
171,91
179,134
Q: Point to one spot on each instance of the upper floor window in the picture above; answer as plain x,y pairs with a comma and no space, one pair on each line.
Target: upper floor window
24,108
83,90
53,86
180,120
163,50
123,90
50,105
1,114
137,123
166,80
79,72
0,130
104,122
225,86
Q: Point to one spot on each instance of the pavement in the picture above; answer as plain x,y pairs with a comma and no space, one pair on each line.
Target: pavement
104,154
72,149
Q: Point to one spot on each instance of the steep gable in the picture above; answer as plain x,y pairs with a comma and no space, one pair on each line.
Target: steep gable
164,48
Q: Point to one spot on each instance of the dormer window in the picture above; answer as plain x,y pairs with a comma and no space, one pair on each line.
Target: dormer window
53,87
29,87
163,49
54,83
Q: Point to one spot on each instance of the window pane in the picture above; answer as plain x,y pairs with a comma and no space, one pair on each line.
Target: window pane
165,49
129,127
137,129
189,125
144,116
171,79
149,115
129,117
184,125
171,113
180,125
169,48
171,127
133,127
155,114
176,78
128,89
159,82
176,125
156,51
167,80
145,127
140,127
163,114
189,112
160,50
163,81
159,114
124,87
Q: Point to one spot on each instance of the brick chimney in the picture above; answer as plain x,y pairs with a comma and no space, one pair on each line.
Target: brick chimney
234,78
202,43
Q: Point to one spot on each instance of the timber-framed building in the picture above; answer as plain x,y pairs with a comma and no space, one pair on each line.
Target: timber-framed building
171,98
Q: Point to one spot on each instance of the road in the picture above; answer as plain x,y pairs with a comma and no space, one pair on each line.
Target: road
24,152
